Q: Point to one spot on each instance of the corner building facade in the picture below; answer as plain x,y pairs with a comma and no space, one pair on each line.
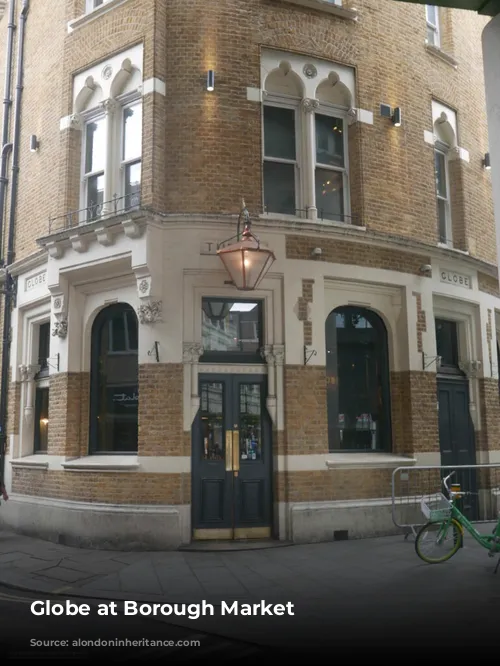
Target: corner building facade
151,403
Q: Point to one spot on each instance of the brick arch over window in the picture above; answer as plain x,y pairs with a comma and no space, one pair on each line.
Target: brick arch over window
358,389
114,381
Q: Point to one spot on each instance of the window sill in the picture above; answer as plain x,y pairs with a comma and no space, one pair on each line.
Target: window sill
94,14
118,463
367,461
280,217
328,7
35,461
442,55
445,246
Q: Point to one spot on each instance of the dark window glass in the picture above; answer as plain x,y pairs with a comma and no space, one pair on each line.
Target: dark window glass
357,376
279,133
447,343
329,141
231,327
279,188
43,348
115,383
41,420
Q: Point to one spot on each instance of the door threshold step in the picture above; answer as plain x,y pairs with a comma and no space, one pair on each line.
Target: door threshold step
242,544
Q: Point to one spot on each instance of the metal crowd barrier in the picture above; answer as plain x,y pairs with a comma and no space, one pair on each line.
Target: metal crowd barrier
481,504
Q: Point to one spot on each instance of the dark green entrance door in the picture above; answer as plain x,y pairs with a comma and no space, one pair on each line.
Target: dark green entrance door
231,449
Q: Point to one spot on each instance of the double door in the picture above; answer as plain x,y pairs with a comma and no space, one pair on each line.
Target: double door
231,448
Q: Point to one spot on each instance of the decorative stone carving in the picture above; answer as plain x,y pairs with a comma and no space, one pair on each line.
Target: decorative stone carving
150,313
107,72
58,304
310,105
267,354
144,286
310,71
279,354
60,328
352,116
76,121
191,352
109,106
28,372
471,368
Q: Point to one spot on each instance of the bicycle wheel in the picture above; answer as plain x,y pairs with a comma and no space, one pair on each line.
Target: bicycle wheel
438,542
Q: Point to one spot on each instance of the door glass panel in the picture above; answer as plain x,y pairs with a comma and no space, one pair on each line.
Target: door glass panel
250,422
212,421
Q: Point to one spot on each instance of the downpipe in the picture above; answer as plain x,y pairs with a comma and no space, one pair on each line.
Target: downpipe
7,103
10,282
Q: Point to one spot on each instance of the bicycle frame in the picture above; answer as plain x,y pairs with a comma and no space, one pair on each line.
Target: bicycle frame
484,540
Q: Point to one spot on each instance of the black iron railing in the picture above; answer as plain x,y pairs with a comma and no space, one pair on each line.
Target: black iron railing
95,211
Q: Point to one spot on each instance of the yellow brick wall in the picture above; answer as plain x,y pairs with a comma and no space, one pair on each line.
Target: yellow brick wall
202,152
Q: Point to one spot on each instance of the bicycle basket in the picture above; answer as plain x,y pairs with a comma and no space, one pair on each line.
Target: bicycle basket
435,507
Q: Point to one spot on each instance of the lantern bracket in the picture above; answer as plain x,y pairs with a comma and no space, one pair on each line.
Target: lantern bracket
308,354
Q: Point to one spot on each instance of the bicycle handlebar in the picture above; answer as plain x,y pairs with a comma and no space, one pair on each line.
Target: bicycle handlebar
446,479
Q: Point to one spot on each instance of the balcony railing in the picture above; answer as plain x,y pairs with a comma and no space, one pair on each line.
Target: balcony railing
94,212
321,216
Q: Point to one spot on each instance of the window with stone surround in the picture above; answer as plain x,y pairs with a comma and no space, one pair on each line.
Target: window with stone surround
114,401
433,25
357,378
112,150
305,147
449,206
107,107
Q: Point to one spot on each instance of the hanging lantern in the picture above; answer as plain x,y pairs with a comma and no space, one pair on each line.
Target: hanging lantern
245,260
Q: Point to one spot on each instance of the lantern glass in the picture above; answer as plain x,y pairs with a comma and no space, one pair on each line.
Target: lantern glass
246,262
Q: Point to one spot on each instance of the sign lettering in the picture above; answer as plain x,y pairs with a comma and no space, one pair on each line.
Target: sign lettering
457,279
35,281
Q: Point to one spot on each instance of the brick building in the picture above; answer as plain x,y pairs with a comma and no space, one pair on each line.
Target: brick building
150,401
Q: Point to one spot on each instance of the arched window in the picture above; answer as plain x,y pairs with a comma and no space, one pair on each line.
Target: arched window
358,394
114,394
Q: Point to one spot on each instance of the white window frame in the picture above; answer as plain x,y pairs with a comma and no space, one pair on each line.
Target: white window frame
443,149
88,118
340,113
293,103
434,27
114,143
90,5
126,102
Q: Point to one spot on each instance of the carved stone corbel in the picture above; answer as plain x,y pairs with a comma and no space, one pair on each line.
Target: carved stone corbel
60,328
471,368
191,354
144,286
150,313
309,105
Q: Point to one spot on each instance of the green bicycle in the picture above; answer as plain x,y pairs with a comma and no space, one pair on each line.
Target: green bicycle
446,526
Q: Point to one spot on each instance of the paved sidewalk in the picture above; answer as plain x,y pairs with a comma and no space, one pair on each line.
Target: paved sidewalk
331,584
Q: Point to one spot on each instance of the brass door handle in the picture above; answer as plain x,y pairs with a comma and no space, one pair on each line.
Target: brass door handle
236,451
229,450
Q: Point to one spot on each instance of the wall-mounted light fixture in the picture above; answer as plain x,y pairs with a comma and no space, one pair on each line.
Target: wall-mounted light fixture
487,161
394,114
210,80
34,143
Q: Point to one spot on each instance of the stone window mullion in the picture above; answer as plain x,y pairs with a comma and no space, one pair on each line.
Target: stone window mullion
309,161
110,108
